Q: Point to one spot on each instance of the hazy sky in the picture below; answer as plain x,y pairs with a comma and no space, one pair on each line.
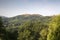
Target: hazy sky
11,8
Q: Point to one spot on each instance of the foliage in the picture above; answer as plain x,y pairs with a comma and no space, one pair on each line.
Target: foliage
30,27
54,29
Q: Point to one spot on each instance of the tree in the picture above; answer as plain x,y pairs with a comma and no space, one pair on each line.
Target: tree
29,31
54,29
2,29
43,34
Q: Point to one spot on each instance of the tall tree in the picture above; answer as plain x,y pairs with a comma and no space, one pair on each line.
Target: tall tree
54,29
2,30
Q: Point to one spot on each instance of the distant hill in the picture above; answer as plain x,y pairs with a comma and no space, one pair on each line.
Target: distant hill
26,26
18,20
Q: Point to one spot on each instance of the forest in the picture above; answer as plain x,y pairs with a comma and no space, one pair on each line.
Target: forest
30,27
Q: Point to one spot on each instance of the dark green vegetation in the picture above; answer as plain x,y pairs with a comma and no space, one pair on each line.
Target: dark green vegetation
30,27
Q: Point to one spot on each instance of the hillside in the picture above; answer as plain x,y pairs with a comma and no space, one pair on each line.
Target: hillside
30,27
34,25
18,20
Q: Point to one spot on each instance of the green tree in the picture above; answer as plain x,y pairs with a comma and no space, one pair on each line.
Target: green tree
29,31
2,30
54,29
43,34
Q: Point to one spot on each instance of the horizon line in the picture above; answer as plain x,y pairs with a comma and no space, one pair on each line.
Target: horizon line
30,14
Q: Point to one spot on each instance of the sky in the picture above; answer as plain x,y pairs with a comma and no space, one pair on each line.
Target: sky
10,8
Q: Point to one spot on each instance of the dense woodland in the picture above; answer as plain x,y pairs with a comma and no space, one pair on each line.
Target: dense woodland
30,27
